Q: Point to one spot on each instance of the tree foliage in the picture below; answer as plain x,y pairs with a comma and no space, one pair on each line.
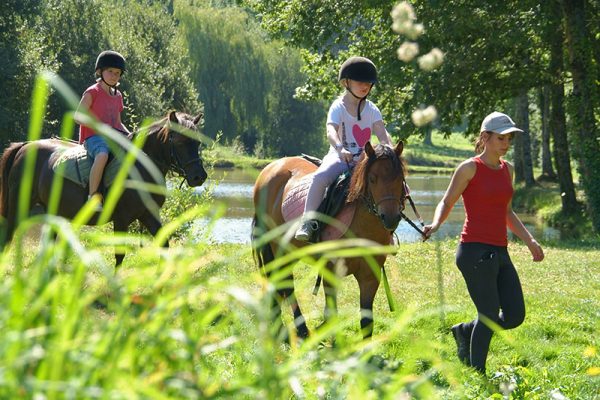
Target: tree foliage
494,51
247,84
65,37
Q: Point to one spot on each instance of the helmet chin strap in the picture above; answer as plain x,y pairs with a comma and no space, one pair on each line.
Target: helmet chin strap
360,101
114,87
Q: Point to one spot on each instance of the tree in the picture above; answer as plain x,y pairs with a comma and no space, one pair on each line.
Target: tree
583,101
522,148
544,106
247,84
558,123
18,64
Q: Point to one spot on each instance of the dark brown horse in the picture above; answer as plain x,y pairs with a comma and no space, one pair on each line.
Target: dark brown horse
377,190
164,145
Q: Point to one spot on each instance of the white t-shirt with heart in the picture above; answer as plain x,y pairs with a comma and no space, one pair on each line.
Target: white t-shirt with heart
352,132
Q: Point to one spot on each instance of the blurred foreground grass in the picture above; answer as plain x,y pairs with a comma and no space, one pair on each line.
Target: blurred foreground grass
193,322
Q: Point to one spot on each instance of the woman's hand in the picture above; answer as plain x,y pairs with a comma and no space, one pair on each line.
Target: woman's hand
429,230
536,250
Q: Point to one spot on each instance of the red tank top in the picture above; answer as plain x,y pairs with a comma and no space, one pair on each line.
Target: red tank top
105,107
486,200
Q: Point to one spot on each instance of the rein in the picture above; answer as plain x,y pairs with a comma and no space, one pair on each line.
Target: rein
372,207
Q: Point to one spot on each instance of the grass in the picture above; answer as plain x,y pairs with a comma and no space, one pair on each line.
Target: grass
442,157
193,321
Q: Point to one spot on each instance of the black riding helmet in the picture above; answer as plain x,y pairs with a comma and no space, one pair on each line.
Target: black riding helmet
359,69
110,59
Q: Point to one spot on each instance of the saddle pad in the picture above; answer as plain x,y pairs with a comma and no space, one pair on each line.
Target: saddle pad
292,207
77,167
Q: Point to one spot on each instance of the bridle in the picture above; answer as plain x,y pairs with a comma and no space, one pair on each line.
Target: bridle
175,163
373,206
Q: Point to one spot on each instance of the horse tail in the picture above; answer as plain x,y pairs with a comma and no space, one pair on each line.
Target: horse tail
6,163
262,254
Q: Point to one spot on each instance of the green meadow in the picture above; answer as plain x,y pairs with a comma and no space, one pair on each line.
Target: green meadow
193,322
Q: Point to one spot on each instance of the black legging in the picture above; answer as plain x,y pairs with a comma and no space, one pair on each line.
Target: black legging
493,285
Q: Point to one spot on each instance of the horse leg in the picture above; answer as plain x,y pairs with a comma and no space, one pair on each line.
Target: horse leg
330,309
368,289
120,225
288,293
285,291
153,224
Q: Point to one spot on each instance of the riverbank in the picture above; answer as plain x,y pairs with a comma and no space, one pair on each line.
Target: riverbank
441,158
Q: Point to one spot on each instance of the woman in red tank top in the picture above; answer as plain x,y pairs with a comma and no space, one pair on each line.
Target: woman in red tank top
485,184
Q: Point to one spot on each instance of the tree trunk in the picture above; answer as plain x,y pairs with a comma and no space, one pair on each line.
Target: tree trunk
547,170
518,151
523,139
586,134
558,124
427,137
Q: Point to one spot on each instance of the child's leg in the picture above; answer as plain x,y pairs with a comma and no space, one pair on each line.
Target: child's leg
98,151
96,171
329,170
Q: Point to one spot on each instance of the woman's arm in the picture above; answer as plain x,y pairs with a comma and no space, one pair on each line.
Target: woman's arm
460,179
517,227
123,127
515,224
335,141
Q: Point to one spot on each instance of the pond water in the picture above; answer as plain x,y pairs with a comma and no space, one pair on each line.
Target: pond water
234,190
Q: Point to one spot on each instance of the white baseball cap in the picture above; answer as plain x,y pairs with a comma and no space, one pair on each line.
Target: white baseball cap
498,123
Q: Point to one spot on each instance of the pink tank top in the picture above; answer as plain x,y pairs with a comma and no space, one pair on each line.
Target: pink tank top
105,107
486,200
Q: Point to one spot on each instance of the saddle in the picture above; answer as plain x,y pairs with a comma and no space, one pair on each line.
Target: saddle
74,165
333,205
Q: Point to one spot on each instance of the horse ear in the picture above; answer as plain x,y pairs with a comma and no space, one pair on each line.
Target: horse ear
399,148
369,150
198,118
173,116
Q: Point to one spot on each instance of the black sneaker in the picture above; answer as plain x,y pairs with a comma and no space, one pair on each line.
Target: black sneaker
306,230
98,207
462,336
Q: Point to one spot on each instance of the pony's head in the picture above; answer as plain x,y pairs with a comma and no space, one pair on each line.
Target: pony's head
378,179
179,132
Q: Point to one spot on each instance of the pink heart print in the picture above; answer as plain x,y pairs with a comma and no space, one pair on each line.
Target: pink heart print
361,136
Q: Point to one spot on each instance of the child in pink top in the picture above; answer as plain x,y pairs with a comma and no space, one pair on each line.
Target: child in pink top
105,102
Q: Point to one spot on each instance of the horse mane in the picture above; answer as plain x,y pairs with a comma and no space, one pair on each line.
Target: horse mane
162,126
358,182
6,162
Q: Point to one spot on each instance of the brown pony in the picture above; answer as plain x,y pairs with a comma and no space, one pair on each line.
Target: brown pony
377,189
167,148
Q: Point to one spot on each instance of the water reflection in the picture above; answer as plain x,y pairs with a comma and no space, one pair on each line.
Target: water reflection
234,191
